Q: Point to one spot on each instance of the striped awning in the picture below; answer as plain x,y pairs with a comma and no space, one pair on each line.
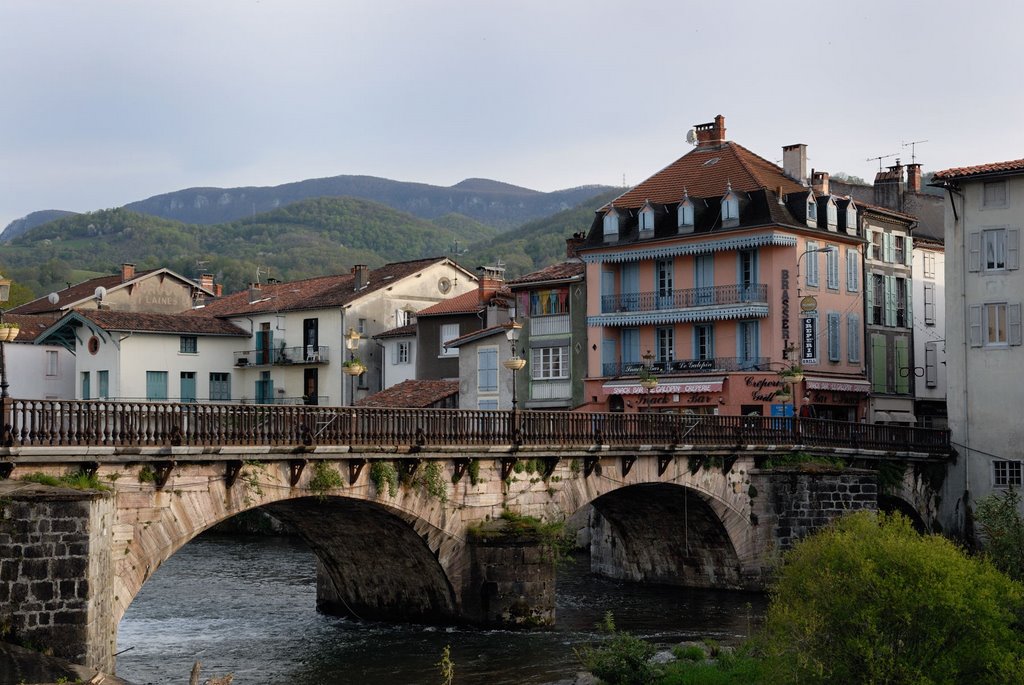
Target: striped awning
838,384
690,385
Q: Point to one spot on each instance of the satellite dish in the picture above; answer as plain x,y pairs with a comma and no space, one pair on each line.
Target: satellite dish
100,293
691,136
53,298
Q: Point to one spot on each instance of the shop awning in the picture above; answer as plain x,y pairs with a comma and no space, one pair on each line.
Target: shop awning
674,386
904,417
837,384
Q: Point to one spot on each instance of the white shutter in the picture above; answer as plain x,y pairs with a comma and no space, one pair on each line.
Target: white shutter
1012,248
1013,323
974,325
931,368
974,251
909,251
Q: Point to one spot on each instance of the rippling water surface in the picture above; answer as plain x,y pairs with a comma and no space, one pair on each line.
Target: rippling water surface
247,606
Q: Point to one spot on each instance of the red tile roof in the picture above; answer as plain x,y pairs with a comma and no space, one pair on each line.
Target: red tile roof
31,325
76,293
704,172
406,331
323,292
964,171
160,323
477,335
412,393
562,271
466,303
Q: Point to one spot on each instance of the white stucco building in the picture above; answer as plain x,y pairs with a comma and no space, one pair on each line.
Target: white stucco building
929,282
984,354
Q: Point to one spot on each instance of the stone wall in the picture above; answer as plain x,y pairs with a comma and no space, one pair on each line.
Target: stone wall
56,571
794,503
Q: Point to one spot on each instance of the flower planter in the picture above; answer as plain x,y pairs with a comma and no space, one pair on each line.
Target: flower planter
9,332
783,397
792,376
649,383
353,369
514,363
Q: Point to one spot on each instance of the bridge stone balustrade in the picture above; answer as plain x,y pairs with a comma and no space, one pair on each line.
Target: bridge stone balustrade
707,515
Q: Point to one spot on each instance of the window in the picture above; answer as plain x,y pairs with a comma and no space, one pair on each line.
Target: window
747,342
899,249
853,338
487,369
487,405
103,380
704,342
156,386
876,299
449,331
730,207
994,249
684,215
747,276
86,386
402,352
1006,473
52,363
189,344
188,386
993,194
630,275
994,324
665,283
929,304
549,302
931,367
666,344
851,219
832,215
876,245
852,271
630,345
361,327
647,219
611,224
220,387
403,317
929,265
549,362
833,337
812,212
812,264
832,268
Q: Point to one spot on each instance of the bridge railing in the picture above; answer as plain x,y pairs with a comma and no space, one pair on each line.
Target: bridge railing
114,423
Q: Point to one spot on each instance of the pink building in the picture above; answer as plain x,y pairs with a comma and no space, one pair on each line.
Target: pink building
717,273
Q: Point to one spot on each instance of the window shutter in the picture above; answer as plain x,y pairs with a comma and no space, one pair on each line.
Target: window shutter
910,303
974,251
974,324
888,247
833,336
1013,323
853,338
929,303
890,301
903,370
869,297
1012,248
879,358
909,247
931,370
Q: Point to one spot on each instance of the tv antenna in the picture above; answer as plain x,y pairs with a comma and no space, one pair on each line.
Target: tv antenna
880,158
456,252
911,145
261,270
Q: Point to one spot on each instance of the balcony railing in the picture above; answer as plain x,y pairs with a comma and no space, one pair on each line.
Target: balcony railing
683,299
685,366
310,354
48,423
550,325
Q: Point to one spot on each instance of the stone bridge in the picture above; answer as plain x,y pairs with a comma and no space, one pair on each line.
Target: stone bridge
421,530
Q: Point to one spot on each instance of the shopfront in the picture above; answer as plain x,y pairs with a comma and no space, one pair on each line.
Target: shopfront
692,395
836,399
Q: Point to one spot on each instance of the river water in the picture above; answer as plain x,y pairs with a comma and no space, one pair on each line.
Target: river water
246,605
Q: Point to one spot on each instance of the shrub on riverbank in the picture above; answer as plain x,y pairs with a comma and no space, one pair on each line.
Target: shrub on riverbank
869,600
1002,528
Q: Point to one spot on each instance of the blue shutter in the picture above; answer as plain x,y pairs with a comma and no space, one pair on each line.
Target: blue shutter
630,345
609,360
853,338
833,336
909,247
869,298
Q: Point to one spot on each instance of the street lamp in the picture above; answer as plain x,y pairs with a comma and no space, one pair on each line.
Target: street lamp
827,248
514,363
353,367
648,381
8,332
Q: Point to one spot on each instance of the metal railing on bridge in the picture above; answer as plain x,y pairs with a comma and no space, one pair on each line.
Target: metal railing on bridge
116,424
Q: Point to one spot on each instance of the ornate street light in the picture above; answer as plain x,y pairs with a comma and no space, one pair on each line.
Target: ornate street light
353,367
514,363
8,332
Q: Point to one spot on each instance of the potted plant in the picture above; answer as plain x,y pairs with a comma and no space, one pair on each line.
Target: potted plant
785,394
647,378
514,363
792,374
9,331
353,367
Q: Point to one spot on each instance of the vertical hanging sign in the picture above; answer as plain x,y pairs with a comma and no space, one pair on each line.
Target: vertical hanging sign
809,332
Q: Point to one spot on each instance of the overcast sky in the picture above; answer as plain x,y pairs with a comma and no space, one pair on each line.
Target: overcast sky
106,102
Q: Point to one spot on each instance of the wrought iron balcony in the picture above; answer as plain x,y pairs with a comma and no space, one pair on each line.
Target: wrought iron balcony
310,354
683,299
685,366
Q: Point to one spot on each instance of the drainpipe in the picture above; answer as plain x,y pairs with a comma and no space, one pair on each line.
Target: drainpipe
965,344
383,365
340,371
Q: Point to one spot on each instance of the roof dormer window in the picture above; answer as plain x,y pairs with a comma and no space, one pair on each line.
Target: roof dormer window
730,207
646,219
684,214
851,218
611,224
812,211
832,215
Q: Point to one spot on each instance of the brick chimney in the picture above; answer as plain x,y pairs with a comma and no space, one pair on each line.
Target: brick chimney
362,276
913,178
255,292
888,187
794,162
712,133
491,280
127,272
819,181
206,282
573,245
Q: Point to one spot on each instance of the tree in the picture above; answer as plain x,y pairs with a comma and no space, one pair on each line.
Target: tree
1002,527
869,600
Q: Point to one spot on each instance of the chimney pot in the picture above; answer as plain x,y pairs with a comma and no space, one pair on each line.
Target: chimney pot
712,133
819,181
914,178
362,276
127,272
794,162
206,282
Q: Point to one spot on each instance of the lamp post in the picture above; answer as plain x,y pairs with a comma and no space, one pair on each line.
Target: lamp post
647,378
514,364
353,367
827,248
8,332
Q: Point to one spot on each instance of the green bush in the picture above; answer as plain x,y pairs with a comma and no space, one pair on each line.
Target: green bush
998,517
869,600
729,669
325,477
689,653
622,660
